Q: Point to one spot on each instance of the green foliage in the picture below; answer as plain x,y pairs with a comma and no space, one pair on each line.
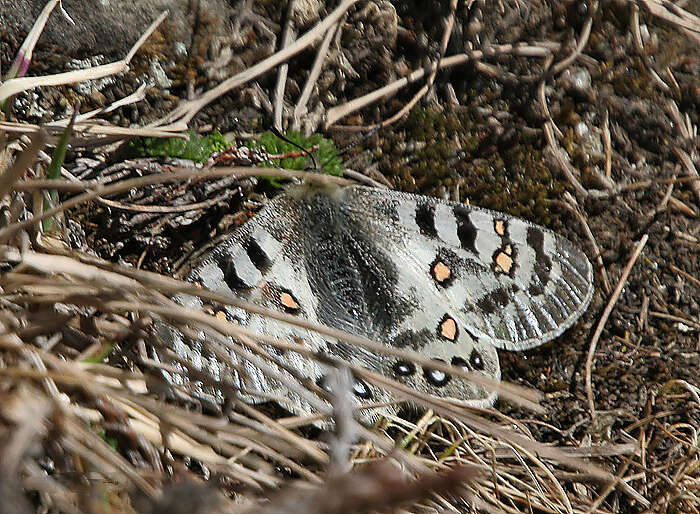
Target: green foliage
111,441
326,156
196,148
54,172
101,355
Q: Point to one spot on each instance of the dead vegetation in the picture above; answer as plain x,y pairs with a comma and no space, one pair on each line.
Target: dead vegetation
87,423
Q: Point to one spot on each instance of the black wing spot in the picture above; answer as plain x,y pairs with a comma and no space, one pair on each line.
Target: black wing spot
486,304
543,264
534,290
412,339
404,368
476,361
494,301
501,297
460,363
425,219
257,255
436,377
361,389
466,231
535,238
543,267
322,382
231,277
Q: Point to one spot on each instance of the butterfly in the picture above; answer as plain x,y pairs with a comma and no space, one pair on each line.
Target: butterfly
450,281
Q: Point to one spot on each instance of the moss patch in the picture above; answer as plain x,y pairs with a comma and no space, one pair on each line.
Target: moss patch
452,150
196,148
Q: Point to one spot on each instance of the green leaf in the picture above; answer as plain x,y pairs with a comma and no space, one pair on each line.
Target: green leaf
54,169
326,156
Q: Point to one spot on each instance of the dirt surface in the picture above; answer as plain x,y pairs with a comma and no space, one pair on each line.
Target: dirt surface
480,135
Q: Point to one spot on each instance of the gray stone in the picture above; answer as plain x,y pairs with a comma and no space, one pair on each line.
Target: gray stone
108,27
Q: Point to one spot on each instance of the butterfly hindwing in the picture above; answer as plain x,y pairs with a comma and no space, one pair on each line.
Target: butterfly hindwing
259,263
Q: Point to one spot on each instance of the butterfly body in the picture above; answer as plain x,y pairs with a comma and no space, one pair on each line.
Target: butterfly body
450,281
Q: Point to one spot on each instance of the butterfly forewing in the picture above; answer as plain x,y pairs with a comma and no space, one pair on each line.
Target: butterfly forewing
513,283
254,264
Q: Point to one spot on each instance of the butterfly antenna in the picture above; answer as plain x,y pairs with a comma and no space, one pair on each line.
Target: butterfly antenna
364,137
355,175
353,144
287,140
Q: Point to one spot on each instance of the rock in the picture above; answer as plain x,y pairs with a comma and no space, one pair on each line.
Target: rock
107,27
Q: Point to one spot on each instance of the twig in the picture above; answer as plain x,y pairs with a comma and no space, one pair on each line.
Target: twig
678,319
682,207
541,95
14,86
338,112
674,14
179,117
582,42
691,171
178,175
692,389
24,55
573,207
687,275
288,35
340,381
608,145
88,127
562,159
608,489
25,160
637,37
300,108
664,201
363,179
160,209
449,24
643,313
134,97
124,278
604,318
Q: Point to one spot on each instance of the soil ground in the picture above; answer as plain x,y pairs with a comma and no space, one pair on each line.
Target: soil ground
479,136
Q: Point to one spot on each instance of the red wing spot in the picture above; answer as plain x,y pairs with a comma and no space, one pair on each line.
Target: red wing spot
448,328
288,301
503,262
441,272
500,227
